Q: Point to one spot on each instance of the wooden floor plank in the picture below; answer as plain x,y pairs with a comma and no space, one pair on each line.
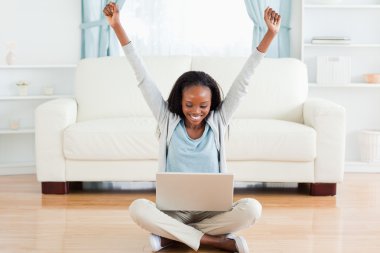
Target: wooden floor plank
98,221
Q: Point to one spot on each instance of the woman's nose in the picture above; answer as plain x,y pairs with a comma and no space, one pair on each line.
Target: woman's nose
197,110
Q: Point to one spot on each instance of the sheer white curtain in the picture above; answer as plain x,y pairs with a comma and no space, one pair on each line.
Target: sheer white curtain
188,27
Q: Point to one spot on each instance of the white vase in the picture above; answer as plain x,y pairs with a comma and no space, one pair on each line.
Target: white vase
23,90
10,58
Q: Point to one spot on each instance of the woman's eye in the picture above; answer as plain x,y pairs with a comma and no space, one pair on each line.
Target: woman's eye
188,106
204,106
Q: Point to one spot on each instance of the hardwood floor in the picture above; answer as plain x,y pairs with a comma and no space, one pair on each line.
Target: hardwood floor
98,221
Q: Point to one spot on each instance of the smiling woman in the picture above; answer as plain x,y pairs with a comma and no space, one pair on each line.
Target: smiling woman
189,27
191,128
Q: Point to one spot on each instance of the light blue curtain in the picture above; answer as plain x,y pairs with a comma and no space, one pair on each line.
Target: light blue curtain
255,8
97,38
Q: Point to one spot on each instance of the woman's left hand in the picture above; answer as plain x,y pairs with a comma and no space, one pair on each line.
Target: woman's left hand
272,19
111,11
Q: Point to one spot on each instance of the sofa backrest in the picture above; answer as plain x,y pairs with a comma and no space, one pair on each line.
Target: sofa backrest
106,87
277,90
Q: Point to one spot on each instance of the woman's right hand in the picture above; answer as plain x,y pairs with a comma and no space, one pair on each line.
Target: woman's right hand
111,11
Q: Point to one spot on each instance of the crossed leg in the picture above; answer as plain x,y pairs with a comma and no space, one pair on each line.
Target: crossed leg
195,228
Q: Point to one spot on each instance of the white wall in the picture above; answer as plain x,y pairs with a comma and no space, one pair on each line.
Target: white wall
45,31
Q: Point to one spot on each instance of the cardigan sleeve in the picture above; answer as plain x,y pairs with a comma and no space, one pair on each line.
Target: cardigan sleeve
148,87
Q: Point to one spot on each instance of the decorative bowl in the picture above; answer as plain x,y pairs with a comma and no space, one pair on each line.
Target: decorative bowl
372,77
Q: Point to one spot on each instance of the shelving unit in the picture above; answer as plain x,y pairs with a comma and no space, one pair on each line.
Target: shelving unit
352,18
17,146
356,19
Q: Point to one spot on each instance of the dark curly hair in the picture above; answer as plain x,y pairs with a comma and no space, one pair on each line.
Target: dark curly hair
193,78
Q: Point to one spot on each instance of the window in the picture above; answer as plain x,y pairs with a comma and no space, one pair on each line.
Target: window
188,27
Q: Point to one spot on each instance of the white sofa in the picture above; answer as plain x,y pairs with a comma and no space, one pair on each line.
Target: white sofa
107,132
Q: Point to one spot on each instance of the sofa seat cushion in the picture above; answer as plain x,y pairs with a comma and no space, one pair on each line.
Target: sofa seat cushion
270,140
111,139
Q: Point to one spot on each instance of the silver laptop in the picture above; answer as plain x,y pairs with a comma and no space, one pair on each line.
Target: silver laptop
194,191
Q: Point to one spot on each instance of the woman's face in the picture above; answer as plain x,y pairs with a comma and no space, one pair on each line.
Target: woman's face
196,104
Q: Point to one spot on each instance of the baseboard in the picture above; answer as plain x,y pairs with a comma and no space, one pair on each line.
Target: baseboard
361,167
17,169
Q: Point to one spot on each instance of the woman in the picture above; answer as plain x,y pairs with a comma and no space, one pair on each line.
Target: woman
192,125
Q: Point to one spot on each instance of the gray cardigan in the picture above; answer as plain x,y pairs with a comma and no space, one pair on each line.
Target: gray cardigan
167,121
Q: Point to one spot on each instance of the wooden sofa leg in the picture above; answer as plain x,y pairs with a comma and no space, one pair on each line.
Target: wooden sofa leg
323,189
60,187
75,186
55,187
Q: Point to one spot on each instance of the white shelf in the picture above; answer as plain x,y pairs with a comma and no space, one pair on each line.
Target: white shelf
355,45
351,85
39,97
342,6
17,131
60,66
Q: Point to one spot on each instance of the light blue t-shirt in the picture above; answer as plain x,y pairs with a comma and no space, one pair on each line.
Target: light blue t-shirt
189,155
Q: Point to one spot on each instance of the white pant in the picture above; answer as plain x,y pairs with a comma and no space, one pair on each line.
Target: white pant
189,227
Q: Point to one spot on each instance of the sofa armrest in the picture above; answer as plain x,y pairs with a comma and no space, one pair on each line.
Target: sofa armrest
328,119
51,118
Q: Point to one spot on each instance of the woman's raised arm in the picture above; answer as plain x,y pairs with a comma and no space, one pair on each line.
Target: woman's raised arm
111,11
273,22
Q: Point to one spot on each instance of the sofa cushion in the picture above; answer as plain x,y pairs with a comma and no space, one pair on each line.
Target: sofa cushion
111,139
134,139
270,140
106,87
277,89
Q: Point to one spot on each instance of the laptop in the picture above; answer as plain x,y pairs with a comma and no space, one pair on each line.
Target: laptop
194,191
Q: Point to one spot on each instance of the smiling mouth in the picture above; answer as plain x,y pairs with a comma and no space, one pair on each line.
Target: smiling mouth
198,117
